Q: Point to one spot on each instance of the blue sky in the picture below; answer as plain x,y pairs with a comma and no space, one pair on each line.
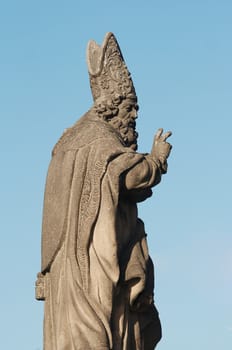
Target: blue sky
179,54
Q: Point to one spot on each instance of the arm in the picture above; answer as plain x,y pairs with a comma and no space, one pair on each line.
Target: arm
148,172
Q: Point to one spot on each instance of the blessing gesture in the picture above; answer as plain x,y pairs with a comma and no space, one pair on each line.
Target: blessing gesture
161,149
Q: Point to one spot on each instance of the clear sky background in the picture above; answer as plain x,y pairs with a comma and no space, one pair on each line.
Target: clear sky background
179,54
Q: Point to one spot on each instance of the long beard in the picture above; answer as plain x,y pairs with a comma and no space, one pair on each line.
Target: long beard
126,128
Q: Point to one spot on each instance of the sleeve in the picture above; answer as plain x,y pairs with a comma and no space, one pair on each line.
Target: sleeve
144,175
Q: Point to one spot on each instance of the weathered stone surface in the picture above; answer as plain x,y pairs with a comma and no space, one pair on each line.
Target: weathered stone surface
97,278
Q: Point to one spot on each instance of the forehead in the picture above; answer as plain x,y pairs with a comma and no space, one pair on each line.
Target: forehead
130,102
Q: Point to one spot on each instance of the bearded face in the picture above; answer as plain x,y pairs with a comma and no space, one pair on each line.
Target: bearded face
125,123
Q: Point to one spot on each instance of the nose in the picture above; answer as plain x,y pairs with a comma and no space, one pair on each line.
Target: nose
134,113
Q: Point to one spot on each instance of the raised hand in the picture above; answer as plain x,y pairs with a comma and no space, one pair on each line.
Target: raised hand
161,149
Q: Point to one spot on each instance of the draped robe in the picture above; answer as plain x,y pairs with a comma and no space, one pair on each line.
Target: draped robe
98,274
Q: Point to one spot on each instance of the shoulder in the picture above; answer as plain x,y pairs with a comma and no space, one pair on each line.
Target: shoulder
88,130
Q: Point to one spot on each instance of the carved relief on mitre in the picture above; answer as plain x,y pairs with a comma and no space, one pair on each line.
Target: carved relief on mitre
109,76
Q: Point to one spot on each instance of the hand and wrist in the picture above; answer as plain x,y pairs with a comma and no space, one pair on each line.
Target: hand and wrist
161,150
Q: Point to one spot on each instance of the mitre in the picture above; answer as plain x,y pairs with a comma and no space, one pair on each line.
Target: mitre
109,76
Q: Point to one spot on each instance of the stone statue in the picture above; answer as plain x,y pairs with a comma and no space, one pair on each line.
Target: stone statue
97,278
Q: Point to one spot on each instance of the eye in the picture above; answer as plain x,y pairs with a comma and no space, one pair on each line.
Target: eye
128,108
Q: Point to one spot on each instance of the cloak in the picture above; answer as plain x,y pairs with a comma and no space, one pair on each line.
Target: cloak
94,254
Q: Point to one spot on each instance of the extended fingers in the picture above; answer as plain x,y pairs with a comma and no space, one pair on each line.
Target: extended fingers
158,133
166,135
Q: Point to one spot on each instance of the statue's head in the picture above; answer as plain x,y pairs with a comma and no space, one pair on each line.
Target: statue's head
115,100
121,114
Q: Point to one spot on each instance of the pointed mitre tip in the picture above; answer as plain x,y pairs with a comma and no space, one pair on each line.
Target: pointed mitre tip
95,53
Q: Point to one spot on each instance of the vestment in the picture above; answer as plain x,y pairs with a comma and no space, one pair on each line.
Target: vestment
94,255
